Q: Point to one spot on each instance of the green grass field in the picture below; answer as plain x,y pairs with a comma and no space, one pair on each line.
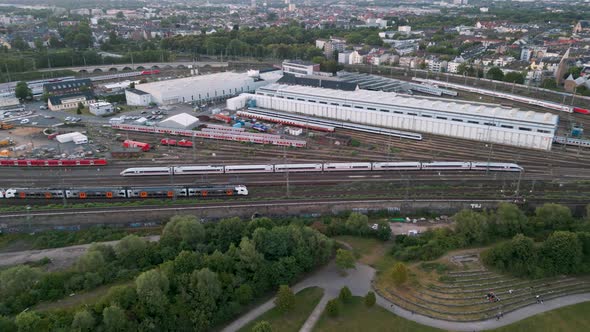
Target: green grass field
572,318
305,302
355,316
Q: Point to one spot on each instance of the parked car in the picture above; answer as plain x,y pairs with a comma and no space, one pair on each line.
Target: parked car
24,121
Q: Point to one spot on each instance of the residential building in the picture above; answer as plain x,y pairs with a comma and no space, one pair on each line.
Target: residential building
344,57
404,29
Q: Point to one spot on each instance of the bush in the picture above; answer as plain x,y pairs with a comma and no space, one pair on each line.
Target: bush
285,300
332,308
345,294
399,273
370,299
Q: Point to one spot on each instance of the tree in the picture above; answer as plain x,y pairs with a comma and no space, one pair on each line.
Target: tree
152,287
83,321
370,299
244,294
22,91
345,259
345,294
91,261
399,273
120,15
514,77
184,232
357,224
508,220
28,321
553,216
262,326
561,253
80,108
333,308
549,83
374,40
17,280
114,319
471,227
131,251
285,299
7,324
383,231
495,73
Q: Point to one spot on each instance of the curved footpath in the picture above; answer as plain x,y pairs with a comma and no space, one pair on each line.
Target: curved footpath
359,282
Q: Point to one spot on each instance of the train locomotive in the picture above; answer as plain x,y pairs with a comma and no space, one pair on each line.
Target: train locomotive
125,192
323,167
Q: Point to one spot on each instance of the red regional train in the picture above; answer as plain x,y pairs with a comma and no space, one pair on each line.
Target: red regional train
52,162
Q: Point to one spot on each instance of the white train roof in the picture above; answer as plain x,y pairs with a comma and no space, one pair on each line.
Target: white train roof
368,97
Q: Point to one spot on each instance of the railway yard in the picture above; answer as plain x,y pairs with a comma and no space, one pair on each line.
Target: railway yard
558,175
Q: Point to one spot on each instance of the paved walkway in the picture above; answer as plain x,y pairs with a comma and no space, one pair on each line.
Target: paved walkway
359,282
328,278
508,318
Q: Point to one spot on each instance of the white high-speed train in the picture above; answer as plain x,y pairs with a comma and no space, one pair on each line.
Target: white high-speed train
323,167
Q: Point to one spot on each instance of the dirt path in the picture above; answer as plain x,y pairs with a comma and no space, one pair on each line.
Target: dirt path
61,258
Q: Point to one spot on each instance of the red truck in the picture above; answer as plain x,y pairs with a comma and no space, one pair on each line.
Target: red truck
133,144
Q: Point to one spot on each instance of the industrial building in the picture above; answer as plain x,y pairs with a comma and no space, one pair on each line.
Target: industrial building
199,89
298,67
67,102
474,121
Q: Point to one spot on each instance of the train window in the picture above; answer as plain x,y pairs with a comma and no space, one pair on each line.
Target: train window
323,102
290,98
507,126
311,101
300,99
382,110
471,121
414,114
441,118
398,112
359,107
335,104
426,116
457,120
371,109
524,129
489,124
344,105
543,131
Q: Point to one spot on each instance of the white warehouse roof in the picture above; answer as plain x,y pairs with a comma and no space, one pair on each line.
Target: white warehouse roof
368,97
182,120
205,87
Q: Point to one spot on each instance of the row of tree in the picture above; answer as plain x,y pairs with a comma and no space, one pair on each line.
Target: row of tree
481,228
562,252
205,275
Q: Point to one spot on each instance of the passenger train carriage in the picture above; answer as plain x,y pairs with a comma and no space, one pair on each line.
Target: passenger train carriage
124,192
326,167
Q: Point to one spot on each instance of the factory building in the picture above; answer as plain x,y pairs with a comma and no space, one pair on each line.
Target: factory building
467,120
199,89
